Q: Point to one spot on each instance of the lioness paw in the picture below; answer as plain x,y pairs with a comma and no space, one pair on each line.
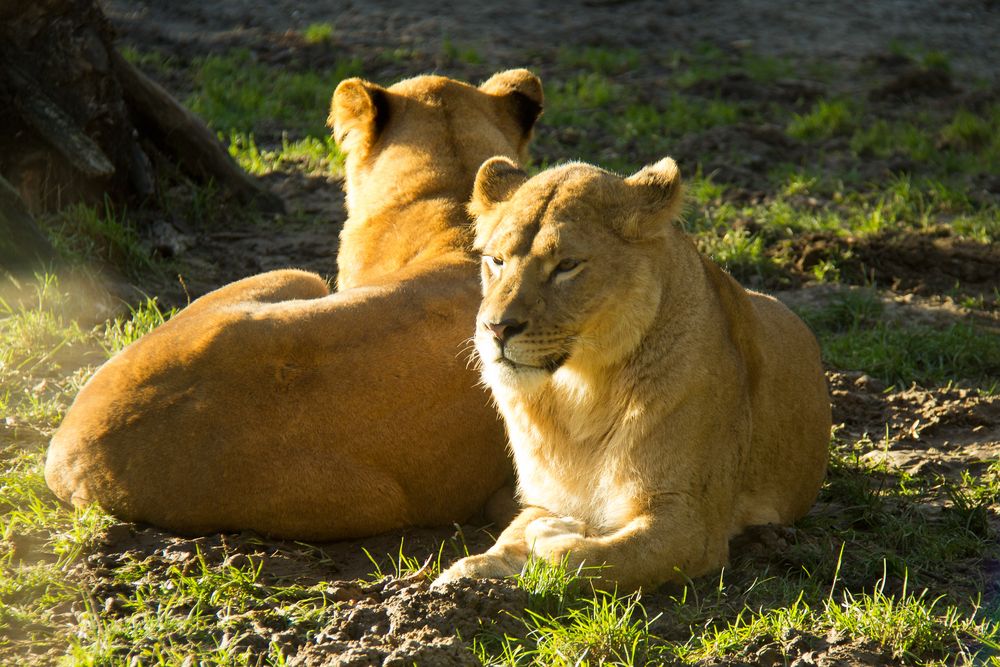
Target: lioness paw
551,526
483,566
560,548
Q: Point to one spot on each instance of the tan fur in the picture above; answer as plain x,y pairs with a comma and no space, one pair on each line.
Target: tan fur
273,405
655,408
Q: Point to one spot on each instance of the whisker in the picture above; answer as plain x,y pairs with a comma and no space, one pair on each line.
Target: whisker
468,349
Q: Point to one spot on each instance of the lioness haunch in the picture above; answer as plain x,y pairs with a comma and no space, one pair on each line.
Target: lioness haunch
655,407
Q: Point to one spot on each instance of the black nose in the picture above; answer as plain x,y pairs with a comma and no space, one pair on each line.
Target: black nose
504,330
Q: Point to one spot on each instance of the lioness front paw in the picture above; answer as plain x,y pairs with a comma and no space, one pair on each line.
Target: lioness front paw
482,566
549,527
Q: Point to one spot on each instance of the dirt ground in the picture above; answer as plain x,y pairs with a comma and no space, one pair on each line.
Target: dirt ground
943,430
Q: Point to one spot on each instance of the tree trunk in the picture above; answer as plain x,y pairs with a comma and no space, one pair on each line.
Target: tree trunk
22,244
76,120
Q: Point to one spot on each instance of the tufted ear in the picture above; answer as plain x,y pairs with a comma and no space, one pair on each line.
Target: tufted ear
658,196
359,112
519,92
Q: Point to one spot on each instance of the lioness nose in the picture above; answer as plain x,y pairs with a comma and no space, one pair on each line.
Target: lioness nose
506,329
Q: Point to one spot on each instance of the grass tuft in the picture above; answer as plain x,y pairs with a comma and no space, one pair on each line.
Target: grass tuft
97,234
400,565
318,33
123,331
607,629
828,118
552,587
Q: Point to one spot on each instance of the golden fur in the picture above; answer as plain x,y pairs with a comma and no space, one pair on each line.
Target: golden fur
655,408
271,404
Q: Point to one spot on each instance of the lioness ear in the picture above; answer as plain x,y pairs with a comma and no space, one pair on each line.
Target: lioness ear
658,197
497,181
520,93
359,112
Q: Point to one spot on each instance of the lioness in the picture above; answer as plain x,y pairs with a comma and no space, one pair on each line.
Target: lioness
273,405
655,407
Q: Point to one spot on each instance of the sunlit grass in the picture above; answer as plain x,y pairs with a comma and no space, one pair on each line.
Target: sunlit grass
318,33
855,336
400,565
237,93
607,629
123,331
310,155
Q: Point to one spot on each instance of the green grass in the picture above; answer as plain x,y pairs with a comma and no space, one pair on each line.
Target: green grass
463,53
607,629
826,119
310,155
920,354
100,235
122,331
599,59
237,93
854,336
400,565
157,62
215,609
318,33
708,64
42,352
244,99
917,54
552,587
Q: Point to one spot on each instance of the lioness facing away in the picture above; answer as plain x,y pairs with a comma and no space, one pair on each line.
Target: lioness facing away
655,408
273,405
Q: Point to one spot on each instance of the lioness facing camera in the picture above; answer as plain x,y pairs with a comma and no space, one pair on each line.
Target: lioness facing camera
655,407
273,405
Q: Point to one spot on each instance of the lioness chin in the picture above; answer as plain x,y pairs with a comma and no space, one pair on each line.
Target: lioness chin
655,408
273,405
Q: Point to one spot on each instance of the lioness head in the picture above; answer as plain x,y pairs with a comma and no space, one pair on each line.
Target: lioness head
571,266
436,127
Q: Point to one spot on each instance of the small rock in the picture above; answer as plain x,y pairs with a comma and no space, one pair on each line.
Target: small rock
113,605
239,561
769,655
117,533
835,638
345,593
807,659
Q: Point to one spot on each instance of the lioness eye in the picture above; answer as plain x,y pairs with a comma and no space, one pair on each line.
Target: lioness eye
567,265
494,263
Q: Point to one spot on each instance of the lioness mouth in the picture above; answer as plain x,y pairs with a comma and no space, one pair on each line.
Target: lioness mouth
551,365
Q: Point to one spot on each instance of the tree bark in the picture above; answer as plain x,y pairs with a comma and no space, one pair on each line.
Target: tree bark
77,120
22,245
